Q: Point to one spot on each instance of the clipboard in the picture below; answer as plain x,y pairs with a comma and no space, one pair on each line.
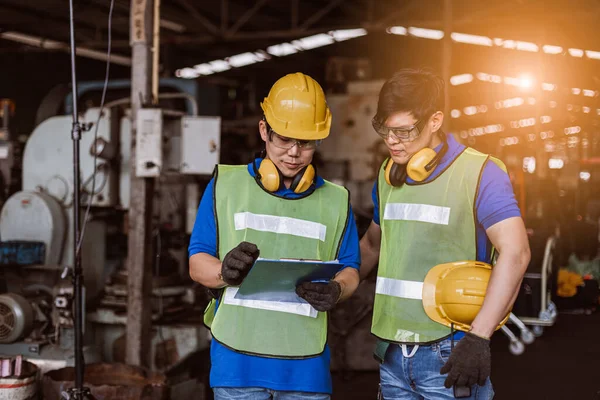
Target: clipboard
276,280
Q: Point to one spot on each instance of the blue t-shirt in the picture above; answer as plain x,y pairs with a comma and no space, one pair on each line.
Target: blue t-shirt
233,369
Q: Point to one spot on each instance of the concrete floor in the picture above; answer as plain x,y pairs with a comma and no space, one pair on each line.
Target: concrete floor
562,364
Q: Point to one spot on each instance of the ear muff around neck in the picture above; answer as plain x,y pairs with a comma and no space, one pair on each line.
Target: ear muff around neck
270,178
420,166
303,179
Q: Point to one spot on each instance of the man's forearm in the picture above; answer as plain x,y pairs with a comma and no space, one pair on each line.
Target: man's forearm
369,257
502,291
348,279
206,270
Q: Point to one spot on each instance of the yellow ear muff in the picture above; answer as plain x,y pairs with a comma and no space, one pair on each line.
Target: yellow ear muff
303,181
388,168
270,177
416,165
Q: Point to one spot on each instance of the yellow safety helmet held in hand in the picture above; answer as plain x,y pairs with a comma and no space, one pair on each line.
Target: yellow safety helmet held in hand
296,108
453,293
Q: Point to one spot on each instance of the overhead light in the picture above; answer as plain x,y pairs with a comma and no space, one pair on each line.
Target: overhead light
397,30
219,65
280,50
247,58
529,164
37,41
482,76
455,113
576,52
585,176
204,69
555,163
593,54
344,34
426,33
527,46
548,49
548,86
472,110
471,39
516,45
589,92
314,41
571,130
461,79
187,73
545,119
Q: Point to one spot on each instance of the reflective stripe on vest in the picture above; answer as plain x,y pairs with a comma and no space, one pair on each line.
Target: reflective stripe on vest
281,225
399,288
308,228
417,212
303,309
423,225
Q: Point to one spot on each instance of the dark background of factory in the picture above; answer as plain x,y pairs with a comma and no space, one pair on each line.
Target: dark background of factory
522,84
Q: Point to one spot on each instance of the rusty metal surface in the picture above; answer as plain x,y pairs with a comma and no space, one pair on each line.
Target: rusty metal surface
109,381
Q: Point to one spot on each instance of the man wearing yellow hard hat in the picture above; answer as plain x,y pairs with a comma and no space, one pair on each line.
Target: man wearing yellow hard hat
276,207
440,211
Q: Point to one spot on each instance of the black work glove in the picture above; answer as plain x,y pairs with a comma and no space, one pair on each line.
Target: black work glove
237,263
322,296
469,363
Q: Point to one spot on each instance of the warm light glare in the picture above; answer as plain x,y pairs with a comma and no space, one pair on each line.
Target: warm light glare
548,49
585,176
555,163
529,164
426,33
397,30
461,79
471,39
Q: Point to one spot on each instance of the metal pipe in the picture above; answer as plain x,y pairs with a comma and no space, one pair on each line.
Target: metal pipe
55,45
155,51
77,277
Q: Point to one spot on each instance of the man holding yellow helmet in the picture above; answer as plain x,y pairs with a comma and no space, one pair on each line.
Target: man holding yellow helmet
276,207
441,210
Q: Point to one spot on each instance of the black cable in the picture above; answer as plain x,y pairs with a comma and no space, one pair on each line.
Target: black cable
104,89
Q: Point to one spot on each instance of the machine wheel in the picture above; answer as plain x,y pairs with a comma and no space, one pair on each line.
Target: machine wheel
537,330
516,348
527,336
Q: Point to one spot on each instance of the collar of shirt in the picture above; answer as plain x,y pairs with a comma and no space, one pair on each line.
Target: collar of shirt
454,150
285,192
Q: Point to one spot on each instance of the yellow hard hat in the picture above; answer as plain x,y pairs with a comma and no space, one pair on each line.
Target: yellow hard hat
296,108
453,293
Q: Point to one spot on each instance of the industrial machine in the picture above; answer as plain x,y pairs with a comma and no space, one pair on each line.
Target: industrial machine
176,147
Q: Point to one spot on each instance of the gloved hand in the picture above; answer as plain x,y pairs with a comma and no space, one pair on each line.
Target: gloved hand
469,363
237,263
322,296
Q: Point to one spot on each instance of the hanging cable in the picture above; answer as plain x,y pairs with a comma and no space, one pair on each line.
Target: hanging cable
104,89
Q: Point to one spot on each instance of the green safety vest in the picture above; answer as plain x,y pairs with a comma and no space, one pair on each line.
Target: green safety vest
422,225
310,227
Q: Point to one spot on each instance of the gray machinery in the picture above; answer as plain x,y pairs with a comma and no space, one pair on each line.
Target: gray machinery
175,148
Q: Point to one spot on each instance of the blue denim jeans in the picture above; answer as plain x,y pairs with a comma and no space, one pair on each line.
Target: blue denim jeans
251,393
417,376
